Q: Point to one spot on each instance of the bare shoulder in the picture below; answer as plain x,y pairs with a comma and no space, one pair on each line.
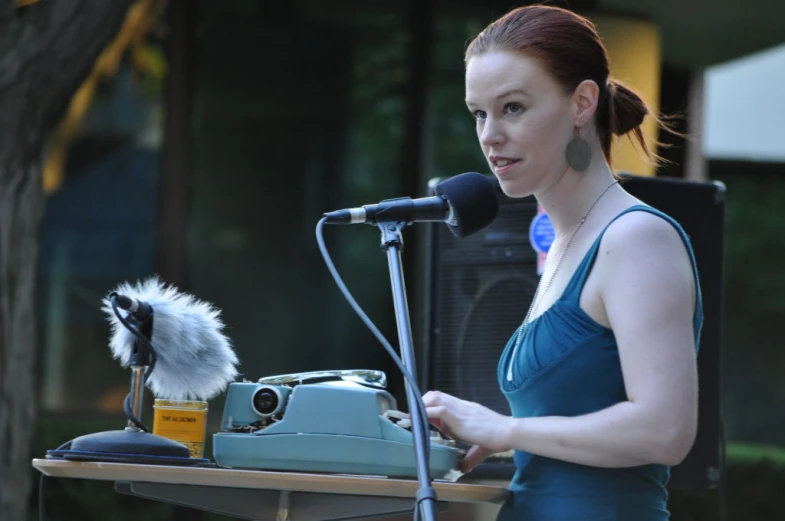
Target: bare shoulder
644,236
643,252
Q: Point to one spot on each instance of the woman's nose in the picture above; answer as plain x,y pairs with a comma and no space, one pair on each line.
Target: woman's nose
491,133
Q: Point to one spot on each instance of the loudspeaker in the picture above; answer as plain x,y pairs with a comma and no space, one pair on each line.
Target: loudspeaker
479,287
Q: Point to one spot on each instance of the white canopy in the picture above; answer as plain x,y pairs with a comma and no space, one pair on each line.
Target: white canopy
744,111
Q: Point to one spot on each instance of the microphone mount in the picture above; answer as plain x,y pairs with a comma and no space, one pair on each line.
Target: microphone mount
140,318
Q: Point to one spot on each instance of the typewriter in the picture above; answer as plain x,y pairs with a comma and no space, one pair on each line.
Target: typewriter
341,422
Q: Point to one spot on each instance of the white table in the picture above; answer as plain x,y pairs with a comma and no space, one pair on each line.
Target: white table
266,496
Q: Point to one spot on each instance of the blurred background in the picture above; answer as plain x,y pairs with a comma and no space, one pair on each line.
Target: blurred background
221,132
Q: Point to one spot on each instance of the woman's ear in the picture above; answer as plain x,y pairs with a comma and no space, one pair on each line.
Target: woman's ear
585,98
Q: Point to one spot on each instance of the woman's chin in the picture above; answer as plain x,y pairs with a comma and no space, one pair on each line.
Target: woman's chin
515,188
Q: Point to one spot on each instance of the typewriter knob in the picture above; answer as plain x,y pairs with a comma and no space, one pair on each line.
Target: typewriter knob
267,401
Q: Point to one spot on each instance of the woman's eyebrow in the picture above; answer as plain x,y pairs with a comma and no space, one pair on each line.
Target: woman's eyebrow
502,95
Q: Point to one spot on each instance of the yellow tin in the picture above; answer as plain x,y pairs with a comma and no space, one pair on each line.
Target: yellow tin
182,421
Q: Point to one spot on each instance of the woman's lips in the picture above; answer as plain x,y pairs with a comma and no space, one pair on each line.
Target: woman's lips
502,165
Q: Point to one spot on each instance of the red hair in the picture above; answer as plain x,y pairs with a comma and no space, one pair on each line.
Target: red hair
569,47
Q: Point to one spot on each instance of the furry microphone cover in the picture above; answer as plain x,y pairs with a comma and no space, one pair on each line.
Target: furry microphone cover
195,360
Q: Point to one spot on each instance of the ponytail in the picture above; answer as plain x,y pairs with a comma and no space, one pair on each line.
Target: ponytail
623,114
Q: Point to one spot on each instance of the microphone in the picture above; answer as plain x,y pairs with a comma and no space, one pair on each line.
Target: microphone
467,203
174,345
194,359
141,311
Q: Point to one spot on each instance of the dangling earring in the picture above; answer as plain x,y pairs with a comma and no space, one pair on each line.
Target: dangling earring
578,152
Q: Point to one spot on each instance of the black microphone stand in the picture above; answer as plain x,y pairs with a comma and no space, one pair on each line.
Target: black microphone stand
392,244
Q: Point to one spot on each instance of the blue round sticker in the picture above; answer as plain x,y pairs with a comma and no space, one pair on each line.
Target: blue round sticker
541,233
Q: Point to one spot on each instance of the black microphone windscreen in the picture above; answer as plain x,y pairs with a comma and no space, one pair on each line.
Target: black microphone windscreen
473,199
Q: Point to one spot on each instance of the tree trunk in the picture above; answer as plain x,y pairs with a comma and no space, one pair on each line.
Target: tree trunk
46,50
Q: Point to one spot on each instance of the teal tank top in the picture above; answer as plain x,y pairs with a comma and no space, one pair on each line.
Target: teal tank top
568,365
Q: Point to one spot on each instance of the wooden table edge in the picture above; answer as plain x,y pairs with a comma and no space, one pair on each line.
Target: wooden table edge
258,479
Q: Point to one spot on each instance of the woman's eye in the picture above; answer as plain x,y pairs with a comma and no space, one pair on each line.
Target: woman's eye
514,108
478,115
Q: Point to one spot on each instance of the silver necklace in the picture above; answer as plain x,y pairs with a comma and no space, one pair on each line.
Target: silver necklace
537,294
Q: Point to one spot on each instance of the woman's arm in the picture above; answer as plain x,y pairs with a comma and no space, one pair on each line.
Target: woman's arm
647,289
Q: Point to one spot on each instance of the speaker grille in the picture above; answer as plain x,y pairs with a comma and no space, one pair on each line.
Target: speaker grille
481,288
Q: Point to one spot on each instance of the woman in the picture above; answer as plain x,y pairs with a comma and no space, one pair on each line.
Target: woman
601,376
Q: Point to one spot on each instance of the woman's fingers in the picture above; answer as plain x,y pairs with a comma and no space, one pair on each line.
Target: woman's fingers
476,455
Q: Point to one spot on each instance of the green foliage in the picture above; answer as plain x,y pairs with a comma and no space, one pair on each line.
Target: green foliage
754,301
751,453
755,230
454,141
754,477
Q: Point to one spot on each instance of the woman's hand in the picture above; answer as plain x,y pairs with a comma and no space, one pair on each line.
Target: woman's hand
468,422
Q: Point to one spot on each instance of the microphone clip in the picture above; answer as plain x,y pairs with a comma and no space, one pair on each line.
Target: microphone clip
140,318
392,234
